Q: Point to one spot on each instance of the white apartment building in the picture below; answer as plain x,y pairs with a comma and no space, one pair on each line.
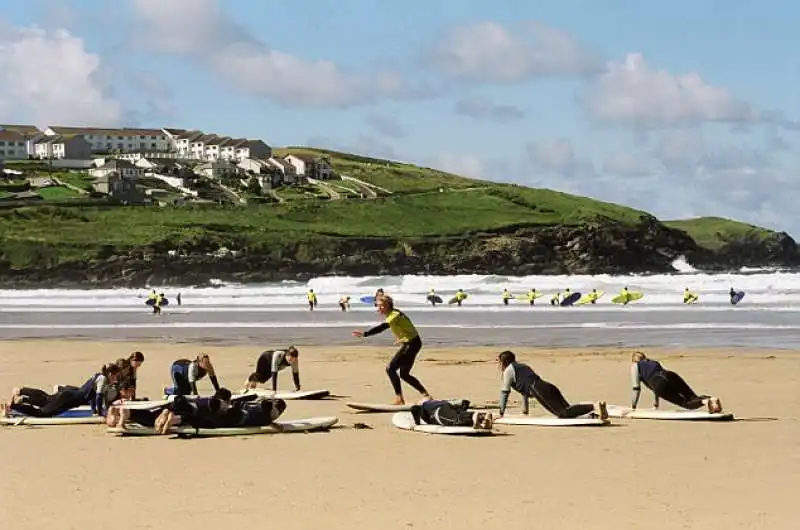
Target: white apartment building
124,139
13,146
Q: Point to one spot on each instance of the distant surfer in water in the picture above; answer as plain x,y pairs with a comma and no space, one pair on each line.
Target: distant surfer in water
185,375
523,379
450,414
666,385
432,298
270,363
312,299
403,361
507,296
626,295
38,403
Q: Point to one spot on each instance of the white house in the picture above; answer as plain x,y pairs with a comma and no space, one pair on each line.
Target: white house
217,169
124,139
62,147
31,133
13,146
310,166
123,168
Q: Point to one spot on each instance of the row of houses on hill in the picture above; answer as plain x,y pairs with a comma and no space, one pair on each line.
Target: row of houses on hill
58,142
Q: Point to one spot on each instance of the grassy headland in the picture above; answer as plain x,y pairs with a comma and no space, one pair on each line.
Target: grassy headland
714,232
406,201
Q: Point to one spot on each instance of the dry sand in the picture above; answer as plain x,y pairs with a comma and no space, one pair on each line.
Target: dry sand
640,474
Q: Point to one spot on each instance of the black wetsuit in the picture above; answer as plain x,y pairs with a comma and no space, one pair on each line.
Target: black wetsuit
185,374
524,380
440,412
92,392
270,363
664,384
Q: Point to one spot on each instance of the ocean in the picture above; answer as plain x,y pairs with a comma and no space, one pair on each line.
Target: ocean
277,314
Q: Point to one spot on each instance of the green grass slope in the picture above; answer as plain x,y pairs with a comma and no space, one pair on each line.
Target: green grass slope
714,232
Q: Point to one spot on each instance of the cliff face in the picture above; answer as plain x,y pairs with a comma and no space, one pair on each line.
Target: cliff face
599,247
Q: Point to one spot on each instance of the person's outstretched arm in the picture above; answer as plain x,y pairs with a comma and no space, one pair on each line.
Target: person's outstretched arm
635,385
380,328
505,390
296,375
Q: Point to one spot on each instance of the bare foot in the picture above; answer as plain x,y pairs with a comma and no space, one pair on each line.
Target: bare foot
601,410
3,410
399,401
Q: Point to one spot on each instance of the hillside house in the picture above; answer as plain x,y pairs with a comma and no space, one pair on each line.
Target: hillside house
13,145
119,189
315,167
218,170
62,147
120,140
123,168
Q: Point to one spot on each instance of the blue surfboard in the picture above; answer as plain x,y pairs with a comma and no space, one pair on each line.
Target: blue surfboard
367,300
72,413
571,299
737,297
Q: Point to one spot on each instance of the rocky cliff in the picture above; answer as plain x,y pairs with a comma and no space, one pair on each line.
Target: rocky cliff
597,247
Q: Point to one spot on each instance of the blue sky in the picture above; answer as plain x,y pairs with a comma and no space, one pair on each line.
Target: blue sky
680,108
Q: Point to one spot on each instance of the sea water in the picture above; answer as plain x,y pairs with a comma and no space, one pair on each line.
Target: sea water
769,314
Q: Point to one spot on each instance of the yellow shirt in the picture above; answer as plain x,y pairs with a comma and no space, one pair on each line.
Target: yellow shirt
401,326
312,297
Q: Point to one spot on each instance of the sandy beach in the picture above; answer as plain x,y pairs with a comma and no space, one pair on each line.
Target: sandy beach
637,474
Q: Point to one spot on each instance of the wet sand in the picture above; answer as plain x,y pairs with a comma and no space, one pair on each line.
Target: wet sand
638,474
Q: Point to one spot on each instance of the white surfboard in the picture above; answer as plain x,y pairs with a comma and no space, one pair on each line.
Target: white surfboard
71,417
301,394
378,407
300,425
616,411
405,421
551,421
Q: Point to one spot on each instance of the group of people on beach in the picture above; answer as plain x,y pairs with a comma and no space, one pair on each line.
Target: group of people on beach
115,383
520,377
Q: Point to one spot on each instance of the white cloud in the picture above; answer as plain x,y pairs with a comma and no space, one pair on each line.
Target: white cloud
557,158
484,109
49,78
488,51
632,93
626,165
461,164
200,29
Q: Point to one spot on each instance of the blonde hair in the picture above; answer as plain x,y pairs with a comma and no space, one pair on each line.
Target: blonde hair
387,301
637,356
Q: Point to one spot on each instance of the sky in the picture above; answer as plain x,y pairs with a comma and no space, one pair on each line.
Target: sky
679,108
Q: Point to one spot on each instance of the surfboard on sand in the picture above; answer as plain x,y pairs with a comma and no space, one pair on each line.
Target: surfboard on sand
370,300
551,421
300,394
632,297
300,425
585,299
571,299
378,407
405,421
434,298
737,297
79,416
615,411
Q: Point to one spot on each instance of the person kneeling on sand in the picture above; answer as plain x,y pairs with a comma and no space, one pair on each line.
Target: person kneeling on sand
666,385
450,414
524,380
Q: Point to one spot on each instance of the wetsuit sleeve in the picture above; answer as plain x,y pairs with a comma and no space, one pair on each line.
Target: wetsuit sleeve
505,390
377,329
296,378
277,359
525,404
214,381
99,395
636,385
274,380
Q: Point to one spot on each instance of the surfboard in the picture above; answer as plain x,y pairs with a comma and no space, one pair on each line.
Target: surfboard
301,394
632,297
586,299
434,298
571,299
150,302
551,421
616,411
454,300
405,421
81,416
367,300
737,297
525,298
692,299
300,425
378,407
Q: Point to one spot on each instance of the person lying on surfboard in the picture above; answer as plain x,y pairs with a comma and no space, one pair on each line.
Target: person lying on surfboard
523,379
185,375
39,404
270,363
666,385
450,414
221,411
118,415
410,345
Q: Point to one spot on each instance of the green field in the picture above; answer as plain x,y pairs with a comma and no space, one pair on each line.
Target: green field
423,203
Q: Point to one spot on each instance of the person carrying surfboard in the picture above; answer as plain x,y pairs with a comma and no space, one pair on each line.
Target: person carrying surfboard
185,375
432,298
271,362
689,296
450,414
666,385
459,297
312,299
410,345
532,296
626,295
523,379
507,296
